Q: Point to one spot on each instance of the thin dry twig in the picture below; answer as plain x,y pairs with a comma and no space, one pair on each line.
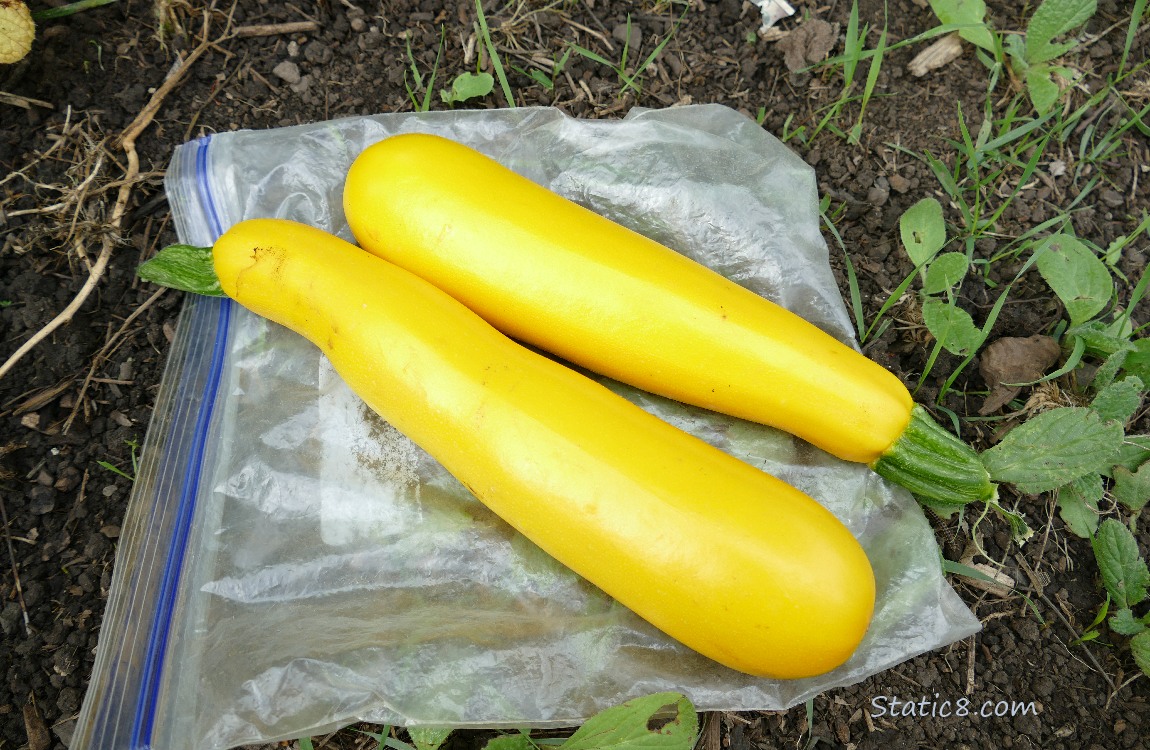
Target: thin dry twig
15,567
127,143
1105,675
274,29
104,352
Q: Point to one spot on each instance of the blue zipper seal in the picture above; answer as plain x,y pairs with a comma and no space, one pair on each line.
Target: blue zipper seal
160,634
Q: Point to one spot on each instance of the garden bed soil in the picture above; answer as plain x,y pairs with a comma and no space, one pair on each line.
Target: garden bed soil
80,401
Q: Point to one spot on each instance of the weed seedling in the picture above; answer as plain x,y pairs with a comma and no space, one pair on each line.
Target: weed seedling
1033,56
545,80
133,446
628,80
417,85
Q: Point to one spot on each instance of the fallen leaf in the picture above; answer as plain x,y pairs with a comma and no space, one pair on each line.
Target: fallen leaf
38,737
808,44
1014,360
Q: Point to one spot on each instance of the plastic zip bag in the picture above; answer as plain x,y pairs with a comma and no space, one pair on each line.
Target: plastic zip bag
290,563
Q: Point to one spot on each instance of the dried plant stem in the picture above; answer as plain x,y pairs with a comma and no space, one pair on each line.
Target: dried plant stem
15,568
112,342
127,142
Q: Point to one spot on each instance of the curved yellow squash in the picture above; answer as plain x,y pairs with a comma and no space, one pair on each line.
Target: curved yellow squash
551,273
726,559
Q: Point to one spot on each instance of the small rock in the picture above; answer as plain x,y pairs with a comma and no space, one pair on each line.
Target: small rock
31,421
64,661
43,500
45,479
302,85
877,196
293,48
318,53
10,618
358,24
120,418
64,731
620,33
287,71
111,531
68,701
1113,198
898,183
109,490
68,480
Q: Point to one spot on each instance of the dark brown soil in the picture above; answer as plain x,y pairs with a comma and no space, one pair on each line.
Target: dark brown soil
85,394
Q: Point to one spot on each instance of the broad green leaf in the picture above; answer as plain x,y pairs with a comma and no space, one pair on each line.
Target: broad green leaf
1053,449
1138,360
1132,488
964,12
1125,623
1134,452
1078,504
1109,369
1079,278
1016,48
517,741
923,231
1053,19
1043,88
1140,649
637,725
1124,573
1118,401
468,86
944,272
951,326
428,738
1100,342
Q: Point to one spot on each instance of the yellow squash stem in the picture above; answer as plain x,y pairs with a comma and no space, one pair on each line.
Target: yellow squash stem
551,273
728,560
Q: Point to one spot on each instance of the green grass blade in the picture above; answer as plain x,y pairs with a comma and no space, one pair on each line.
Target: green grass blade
500,74
871,80
48,14
852,280
593,56
852,46
1135,21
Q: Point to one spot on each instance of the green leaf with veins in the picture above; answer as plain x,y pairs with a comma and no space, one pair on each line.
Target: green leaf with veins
1125,623
1078,504
951,326
1078,276
923,231
662,721
1053,19
1123,572
1053,449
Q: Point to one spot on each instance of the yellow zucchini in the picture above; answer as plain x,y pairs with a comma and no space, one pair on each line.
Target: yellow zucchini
728,560
558,276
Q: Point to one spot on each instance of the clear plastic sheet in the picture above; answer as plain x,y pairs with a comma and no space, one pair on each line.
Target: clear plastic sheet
317,568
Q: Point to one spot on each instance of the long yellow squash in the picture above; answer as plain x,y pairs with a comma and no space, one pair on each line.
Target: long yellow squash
556,275
728,560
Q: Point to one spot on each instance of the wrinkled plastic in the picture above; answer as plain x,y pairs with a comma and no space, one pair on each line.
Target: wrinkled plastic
330,571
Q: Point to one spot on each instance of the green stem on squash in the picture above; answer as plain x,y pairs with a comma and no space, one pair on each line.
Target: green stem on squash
184,267
933,463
